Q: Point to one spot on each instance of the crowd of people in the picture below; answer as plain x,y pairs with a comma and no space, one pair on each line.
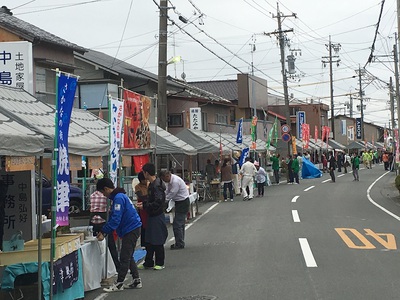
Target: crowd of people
146,219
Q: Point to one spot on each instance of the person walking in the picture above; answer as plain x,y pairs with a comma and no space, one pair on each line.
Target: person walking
355,165
347,162
385,159
248,171
260,179
226,179
324,163
98,217
141,195
177,191
296,168
156,229
339,160
275,166
126,221
332,166
289,161
299,158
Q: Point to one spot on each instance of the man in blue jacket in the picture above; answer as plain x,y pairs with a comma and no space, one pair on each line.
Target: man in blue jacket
126,221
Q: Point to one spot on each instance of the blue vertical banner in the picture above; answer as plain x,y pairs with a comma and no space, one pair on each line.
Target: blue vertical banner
243,156
66,87
239,136
300,120
358,128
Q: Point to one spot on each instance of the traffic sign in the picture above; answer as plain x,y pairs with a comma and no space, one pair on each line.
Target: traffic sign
286,137
285,128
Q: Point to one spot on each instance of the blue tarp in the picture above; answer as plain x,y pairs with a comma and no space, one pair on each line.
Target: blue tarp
309,170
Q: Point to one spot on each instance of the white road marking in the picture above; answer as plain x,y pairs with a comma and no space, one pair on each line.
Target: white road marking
295,199
295,216
309,188
326,180
341,175
376,204
187,226
101,296
307,253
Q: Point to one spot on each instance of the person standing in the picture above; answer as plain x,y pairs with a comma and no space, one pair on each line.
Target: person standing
355,165
248,171
296,169
289,161
275,166
332,166
141,195
156,230
324,163
260,179
385,159
210,171
347,162
177,191
98,217
339,161
126,221
226,179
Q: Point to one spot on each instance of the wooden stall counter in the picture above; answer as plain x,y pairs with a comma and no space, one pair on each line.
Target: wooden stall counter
64,245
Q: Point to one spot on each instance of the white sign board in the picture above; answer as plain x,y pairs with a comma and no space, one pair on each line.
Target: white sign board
195,118
16,65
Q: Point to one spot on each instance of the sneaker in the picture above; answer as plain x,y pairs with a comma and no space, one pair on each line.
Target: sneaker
116,287
159,267
245,198
143,267
176,247
136,284
232,200
225,200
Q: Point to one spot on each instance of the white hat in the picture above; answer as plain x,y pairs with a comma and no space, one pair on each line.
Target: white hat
256,163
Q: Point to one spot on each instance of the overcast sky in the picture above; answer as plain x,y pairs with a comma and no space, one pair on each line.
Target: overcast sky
129,30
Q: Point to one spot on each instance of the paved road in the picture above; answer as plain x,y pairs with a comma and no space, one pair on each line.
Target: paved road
315,240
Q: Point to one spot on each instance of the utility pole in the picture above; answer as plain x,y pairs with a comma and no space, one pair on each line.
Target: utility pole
331,59
282,43
361,102
391,94
396,74
162,66
351,106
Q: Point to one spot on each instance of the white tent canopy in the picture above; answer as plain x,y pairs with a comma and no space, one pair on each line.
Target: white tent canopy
18,140
168,143
22,107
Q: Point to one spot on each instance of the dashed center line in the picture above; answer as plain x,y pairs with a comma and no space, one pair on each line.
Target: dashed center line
295,199
326,180
307,253
296,217
341,175
309,188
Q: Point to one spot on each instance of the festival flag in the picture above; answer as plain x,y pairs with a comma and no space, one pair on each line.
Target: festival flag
239,136
327,131
323,133
385,135
316,134
294,147
116,122
101,116
396,136
65,95
254,132
271,131
243,155
373,140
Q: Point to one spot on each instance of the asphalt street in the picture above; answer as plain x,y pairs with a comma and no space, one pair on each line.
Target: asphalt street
315,240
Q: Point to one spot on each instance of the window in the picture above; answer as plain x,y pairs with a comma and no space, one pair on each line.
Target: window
221,119
175,120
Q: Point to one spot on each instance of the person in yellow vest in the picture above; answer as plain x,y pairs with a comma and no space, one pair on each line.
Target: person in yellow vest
365,159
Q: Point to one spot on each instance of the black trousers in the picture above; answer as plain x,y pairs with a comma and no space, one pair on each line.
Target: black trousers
260,188
332,173
126,258
156,252
276,175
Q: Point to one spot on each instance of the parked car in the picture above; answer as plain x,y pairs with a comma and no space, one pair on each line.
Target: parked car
75,197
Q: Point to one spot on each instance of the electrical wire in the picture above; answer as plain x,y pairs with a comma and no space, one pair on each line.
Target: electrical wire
376,34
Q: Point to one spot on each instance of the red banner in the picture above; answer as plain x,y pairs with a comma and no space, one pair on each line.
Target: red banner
139,161
136,120
316,134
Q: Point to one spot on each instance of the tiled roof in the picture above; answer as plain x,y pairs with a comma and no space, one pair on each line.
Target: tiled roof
224,88
32,33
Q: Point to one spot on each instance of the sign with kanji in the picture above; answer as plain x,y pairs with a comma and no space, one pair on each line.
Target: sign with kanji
195,118
16,68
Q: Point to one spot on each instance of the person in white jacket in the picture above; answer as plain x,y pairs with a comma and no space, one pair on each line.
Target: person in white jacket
248,171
